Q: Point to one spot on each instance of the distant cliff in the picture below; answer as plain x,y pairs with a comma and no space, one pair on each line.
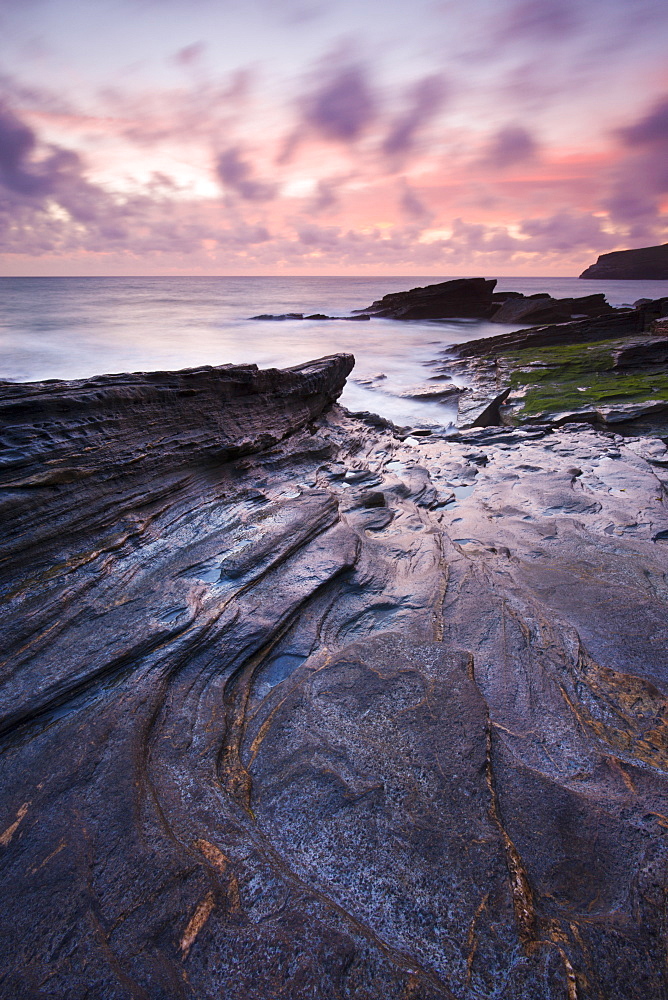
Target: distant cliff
644,264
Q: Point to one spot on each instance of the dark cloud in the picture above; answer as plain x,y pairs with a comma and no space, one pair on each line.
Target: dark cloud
319,237
510,145
325,197
651,130
564,232
641,177
342,106
540,20
630,206
17,146
412,206
425,99
237,175
189,54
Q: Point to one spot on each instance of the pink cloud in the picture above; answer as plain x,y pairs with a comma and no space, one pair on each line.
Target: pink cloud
236,174
510,145
342,106
425,100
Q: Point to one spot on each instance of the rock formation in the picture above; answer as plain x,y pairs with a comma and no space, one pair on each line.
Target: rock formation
644,264
535,309
294,708
463,298
606,370
468,298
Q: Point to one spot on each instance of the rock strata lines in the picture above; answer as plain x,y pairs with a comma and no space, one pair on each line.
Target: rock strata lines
295,707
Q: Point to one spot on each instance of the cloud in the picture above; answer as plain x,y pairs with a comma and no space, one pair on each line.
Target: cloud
426,98
189,54
237,175
510,145
326,196
566,231
200,111
540,20
48,205
17,171
641,177
342,106
651,130
319,237
413,207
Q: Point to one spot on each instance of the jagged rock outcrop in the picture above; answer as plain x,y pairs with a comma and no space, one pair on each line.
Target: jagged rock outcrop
537,309
343,717
475,298
470,298
643,264
462,297
621,324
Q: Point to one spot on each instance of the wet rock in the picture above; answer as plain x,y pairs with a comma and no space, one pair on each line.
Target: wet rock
540,309
646,263
618,324
481,408
644,353
432,391
282,316
267,738
317,316
373,499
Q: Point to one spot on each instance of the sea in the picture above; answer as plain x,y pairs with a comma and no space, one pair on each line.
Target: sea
77,327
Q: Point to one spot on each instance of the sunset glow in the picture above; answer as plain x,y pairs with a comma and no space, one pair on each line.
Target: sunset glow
515,137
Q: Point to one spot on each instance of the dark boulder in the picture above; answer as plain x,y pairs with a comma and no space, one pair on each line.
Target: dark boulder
463,298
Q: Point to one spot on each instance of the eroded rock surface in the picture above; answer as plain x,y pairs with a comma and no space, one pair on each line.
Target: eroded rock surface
326,713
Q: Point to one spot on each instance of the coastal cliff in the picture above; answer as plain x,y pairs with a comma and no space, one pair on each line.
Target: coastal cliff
644,264
296,705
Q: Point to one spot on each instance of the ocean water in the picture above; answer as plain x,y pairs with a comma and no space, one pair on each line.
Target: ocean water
78,327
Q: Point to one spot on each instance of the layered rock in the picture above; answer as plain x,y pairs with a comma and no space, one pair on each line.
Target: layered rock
645,263
340,717
537,309
606,371
467,298
463,297
622,323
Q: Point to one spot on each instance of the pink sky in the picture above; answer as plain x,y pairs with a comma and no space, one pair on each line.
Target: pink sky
507,137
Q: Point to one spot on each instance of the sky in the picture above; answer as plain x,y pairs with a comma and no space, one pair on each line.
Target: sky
361,137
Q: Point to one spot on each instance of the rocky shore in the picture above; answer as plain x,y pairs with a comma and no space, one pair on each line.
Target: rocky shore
608,371
468,298
297,704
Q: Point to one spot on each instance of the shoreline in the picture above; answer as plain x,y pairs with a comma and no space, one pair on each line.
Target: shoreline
249,686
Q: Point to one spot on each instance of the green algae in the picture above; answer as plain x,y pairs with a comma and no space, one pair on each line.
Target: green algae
580,376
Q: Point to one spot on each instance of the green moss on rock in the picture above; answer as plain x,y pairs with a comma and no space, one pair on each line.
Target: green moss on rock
579,376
